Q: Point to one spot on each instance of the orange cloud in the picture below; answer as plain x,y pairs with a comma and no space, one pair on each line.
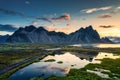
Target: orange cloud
51,20
63,17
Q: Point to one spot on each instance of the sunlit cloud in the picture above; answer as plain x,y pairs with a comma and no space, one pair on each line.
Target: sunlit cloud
35,23
5,32
63,17
91,10
52,19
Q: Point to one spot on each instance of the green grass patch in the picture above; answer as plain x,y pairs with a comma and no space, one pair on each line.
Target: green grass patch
108,64
50,60
60,62
76,74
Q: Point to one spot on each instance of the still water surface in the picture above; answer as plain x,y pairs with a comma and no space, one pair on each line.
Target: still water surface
69,59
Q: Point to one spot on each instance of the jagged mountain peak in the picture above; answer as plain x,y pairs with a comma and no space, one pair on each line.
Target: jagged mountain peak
41,28
30,28
89,27
82,30
41,35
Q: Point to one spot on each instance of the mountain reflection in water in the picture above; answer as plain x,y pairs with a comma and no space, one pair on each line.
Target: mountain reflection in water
69,59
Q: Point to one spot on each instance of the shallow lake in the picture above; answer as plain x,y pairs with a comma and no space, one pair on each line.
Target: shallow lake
69,60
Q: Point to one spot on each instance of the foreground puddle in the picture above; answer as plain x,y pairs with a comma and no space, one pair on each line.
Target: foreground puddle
68,60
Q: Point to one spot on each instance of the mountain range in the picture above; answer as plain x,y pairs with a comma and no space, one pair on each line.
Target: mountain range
31,34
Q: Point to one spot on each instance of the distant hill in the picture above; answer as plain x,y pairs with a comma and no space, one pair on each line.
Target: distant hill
114,39
31,34
3,38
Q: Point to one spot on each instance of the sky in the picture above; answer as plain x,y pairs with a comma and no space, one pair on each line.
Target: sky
61,15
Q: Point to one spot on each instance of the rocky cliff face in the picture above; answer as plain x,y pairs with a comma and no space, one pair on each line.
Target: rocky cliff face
31,34
87,35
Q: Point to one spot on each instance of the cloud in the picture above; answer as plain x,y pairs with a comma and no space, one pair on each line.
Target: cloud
63,17
52,19
71,23
35,23
14,13
112,12
49,19
104,16
45,19
91,10
27,2
5,32
118,7
11,12
104,26
8,28
107,15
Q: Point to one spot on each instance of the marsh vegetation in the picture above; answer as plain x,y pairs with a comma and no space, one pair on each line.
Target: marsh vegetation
11,54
